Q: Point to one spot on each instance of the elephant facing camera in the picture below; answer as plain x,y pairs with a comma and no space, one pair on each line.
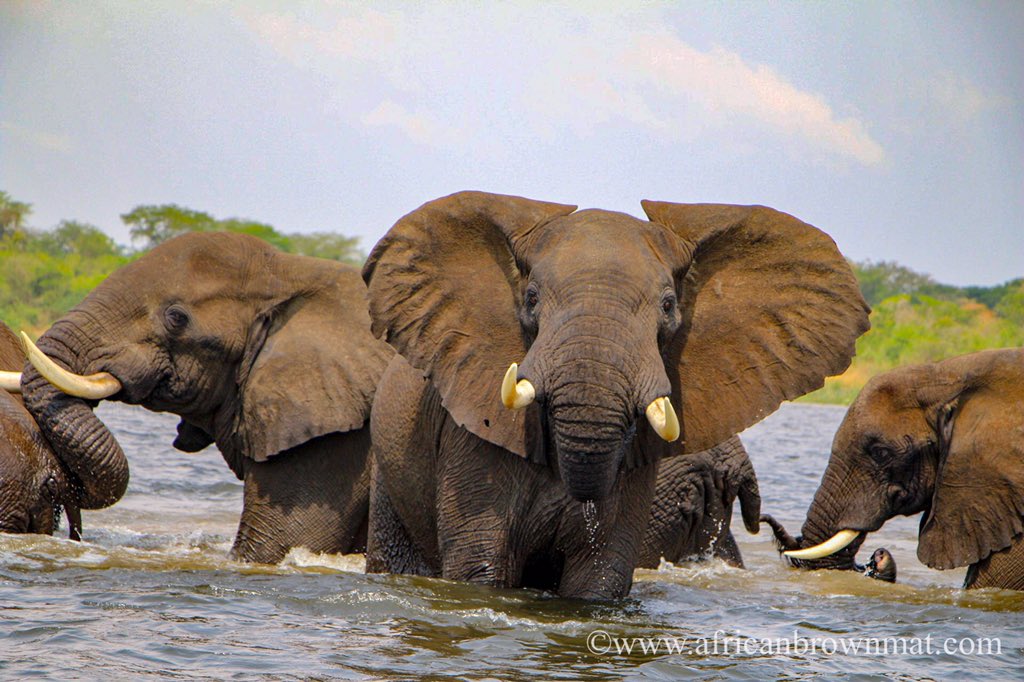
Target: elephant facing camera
881,566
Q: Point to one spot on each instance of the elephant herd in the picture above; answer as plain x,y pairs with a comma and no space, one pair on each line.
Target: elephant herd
517,393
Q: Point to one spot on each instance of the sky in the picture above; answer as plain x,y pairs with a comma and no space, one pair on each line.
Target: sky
896,127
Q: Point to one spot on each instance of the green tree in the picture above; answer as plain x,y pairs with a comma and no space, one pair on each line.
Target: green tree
881,280
256,229
328,245
154,224
991,296
12,214
1011,305
88,241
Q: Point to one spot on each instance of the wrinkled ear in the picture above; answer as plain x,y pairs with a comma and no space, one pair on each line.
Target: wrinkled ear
444,287
978,504
770,308
311,365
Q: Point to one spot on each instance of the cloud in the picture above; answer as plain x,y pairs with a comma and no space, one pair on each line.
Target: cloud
960,98
54,142
540,71
417,127
723,83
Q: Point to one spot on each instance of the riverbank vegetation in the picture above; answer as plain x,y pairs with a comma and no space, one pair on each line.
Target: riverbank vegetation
914,318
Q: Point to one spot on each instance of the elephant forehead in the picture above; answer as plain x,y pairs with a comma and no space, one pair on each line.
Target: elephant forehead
883,411
196,267
594,238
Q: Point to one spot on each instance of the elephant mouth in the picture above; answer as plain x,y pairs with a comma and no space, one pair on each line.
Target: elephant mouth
838,552
97,386
151,389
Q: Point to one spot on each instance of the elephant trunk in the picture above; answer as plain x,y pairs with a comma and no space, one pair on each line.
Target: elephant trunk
83,443
590,441
595,380
822,523
592,416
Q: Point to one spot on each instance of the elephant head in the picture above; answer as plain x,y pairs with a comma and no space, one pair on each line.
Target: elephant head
256,350
943,439
34,487
614,335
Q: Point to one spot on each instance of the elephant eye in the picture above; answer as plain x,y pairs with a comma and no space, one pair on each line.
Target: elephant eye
880,453
532,297
175,319
668,303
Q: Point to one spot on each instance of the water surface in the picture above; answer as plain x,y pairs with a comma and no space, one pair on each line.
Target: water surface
150,593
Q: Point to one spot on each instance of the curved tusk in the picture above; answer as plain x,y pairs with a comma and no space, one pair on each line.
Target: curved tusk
516,395
663,419
10,382
827,548
93,387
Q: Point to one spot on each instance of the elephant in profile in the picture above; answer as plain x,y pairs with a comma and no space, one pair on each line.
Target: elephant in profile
266,354
945,440
692,509
623,335
34,487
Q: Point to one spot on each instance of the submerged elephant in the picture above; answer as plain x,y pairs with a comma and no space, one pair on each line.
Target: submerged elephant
34,488
623,335
945,440
881,566
266,354
692,510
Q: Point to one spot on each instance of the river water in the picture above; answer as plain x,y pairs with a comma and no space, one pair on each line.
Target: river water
150,593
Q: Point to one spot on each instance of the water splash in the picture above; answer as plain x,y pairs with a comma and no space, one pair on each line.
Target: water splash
590,521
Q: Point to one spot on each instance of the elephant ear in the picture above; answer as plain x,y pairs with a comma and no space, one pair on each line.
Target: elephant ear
311,364
12,357
444,287
978,504
770,308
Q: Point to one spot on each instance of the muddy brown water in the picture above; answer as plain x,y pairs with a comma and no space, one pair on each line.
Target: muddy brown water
150,593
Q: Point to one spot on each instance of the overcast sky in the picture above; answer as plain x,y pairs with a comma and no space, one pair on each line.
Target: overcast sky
897,127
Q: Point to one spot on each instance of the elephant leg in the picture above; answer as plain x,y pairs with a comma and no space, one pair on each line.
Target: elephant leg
1003,569
727,550
389,549
314,496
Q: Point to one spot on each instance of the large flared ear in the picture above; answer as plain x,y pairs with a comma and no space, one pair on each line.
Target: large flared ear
978,504
12,355
311,364
444,287
770,308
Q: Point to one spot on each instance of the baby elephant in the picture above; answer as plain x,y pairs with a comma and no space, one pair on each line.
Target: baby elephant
692,508
945,440
882,566
34,487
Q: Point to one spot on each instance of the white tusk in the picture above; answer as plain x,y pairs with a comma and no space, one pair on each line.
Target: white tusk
663,419
516,395
827,548
10,382
93,387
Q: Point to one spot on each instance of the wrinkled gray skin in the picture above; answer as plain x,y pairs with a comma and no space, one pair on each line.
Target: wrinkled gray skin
266,354
944,440
692,510
728,310
34,488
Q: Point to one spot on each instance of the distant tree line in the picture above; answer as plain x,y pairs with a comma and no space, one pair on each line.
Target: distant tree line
44,273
